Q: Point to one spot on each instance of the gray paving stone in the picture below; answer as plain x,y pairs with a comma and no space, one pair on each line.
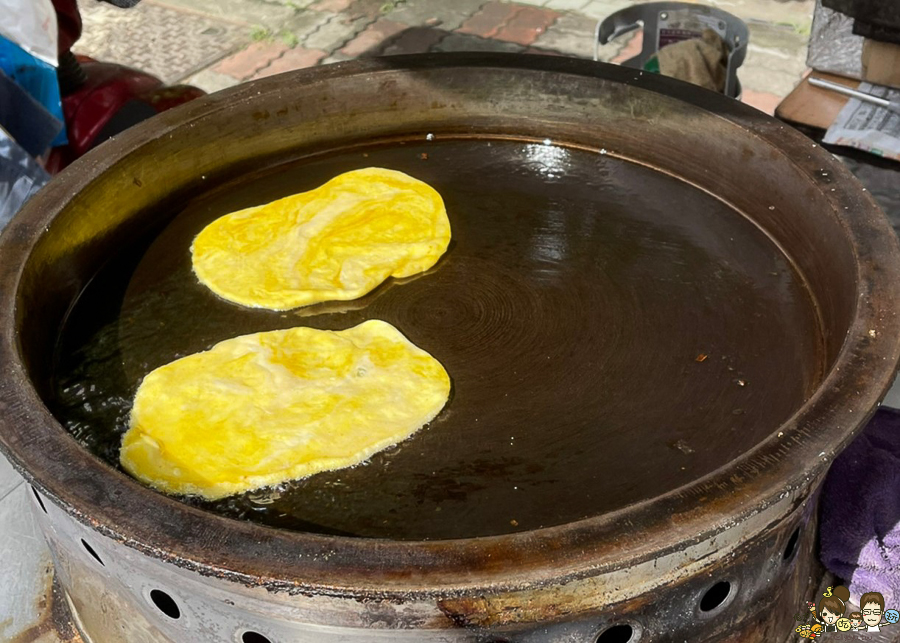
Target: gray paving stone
777,38
335,33
211,81
303,23
776,59
574,23
167,43
566,5
605,53
246,12
763,79
468,42
573,34
797,13
599,9
293,4
449,14
336,57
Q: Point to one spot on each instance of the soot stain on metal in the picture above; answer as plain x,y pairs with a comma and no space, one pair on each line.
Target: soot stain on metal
53,613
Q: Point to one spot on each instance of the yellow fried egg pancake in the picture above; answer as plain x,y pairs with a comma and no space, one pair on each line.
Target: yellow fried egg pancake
261,409
336,242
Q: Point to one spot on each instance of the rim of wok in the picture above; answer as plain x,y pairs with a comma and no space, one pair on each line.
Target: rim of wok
165,528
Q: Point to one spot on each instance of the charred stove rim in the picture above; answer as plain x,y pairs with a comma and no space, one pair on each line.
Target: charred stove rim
256,555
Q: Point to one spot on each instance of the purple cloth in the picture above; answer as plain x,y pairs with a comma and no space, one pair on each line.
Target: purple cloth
860,511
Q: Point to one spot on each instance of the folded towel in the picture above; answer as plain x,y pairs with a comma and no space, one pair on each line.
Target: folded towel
702,61
860,511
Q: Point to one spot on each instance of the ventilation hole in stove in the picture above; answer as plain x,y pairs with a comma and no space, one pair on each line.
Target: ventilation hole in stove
91,551
623,633
791,546
165,603
254,637
715,596
38,498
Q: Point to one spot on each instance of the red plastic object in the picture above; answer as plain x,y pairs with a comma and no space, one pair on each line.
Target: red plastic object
112,98
110,89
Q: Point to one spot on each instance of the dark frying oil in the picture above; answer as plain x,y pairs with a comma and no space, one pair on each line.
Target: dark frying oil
611,333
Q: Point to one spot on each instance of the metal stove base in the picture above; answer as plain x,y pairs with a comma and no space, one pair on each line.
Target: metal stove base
111,596
35,609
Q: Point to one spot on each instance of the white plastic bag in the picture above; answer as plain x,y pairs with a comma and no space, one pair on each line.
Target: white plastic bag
20,178
31,24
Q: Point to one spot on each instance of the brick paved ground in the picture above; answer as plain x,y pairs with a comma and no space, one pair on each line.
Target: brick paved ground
218,43
169,44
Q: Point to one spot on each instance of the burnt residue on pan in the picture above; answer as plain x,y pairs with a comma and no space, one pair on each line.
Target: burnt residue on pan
612,333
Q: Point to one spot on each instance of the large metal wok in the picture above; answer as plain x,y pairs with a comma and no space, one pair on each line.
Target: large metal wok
664,314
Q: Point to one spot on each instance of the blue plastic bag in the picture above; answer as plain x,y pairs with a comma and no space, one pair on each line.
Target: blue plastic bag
36,77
